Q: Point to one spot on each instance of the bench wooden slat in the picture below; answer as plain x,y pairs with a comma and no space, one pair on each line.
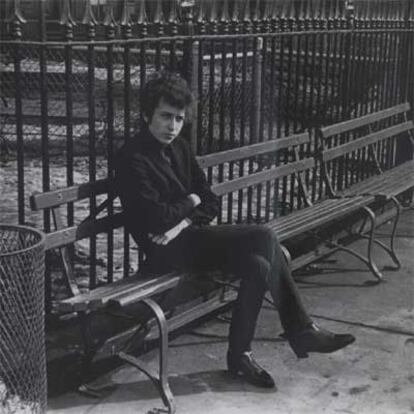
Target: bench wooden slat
390,184
263,176
136,295
299,217
119,287
69,235
299,223
390,181
139,286
347,126
260,148
132,289
321,209
337,151
70,194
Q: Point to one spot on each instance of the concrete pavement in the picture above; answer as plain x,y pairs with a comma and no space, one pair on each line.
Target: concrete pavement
373,375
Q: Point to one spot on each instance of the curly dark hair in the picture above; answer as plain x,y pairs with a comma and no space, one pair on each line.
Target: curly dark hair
169,86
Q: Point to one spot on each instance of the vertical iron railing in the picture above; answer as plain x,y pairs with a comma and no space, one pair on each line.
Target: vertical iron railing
110,23
90,24
16,20
127,34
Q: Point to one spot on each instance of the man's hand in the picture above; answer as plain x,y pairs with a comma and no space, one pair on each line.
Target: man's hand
195,198
171,234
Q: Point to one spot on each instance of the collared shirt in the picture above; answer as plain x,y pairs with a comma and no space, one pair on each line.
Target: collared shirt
154,191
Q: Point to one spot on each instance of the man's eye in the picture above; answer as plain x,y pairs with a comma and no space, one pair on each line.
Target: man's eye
179,119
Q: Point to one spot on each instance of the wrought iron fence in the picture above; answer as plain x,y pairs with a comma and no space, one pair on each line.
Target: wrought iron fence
73,19
261,70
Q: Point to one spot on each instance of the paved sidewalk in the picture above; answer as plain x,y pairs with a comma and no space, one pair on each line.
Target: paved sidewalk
374,375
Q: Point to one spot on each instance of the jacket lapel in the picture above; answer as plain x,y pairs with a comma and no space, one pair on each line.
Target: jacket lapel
171,175
178,165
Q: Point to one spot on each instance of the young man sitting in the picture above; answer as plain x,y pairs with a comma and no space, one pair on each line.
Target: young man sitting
169,205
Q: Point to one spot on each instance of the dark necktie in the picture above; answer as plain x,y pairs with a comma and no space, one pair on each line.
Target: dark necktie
166,154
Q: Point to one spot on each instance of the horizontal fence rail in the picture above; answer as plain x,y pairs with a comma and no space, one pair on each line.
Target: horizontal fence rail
69,96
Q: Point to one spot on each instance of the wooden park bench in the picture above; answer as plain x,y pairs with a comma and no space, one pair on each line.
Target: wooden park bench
359,147
295,162
260,170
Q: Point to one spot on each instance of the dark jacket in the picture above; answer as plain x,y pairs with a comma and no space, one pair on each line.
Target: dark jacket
153,191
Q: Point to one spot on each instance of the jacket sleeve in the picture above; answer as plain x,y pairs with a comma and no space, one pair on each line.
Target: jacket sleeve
209,207
139,196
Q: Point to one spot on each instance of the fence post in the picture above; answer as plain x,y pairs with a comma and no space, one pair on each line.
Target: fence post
404,149
194,87
16,21
346,80
257,89
410,23
190,62
405,57
188,31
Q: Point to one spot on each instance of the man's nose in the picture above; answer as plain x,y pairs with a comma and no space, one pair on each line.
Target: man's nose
171,125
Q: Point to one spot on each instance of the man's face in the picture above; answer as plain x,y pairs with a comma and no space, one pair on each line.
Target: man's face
166,122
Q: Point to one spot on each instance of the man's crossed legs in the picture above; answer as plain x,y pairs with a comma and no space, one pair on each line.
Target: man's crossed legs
253,253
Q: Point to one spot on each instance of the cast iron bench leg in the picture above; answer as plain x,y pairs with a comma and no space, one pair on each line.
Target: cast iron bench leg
391,250
161,380
368,260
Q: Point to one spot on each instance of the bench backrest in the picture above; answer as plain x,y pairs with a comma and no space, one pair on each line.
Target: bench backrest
62,236
264,171
261,163
54,199
361,139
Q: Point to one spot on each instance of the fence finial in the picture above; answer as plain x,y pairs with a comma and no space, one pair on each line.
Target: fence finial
247,23
235,17
67,20
172,18
125,20
286,15
255,16
269,16
212,18
88,16
331,15
224,18
186,7
142,19
159,18
16,19
201,17
109,21
301,16
349,13
410,16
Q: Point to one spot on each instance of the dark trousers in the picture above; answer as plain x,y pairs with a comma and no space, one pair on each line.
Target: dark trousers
253,253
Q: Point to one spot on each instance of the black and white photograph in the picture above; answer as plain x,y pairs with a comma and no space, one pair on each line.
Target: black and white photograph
206,206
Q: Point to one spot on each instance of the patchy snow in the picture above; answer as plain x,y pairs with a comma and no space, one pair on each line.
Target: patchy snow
13,404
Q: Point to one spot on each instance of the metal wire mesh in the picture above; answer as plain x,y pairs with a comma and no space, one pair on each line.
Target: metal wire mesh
22,344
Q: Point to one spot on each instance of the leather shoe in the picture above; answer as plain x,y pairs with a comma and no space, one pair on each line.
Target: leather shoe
246,367
316,339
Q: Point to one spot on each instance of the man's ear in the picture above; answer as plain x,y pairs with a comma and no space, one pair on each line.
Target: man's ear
145,118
